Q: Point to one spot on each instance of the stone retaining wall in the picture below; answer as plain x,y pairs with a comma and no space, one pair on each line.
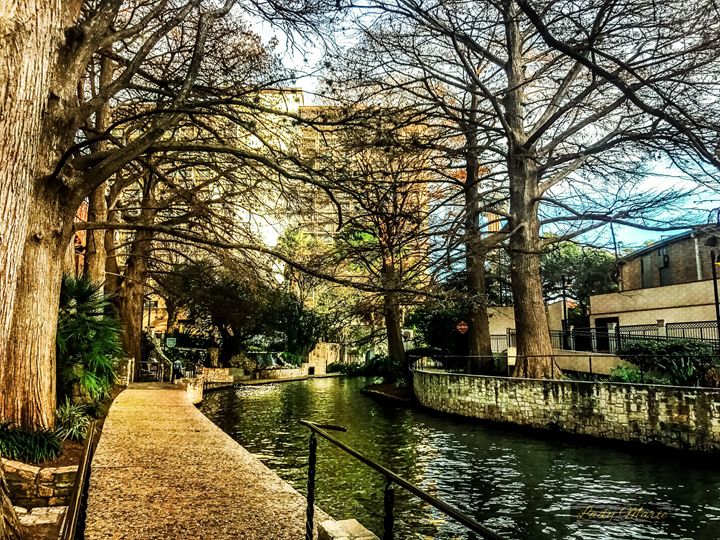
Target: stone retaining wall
33,486
216,375
281,373
676,417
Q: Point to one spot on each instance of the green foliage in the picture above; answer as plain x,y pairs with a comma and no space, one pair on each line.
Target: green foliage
336,367
587,271
435,327
28,446
678,361
72,421
88,341
243,312
384,367
298,327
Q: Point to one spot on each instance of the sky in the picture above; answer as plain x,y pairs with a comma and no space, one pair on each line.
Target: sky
701,206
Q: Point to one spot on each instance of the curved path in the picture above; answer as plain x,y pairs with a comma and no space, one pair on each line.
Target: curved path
163,470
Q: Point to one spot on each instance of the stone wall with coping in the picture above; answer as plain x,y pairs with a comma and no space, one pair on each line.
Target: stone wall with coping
217,375
676,417
194,389
33,486
281,373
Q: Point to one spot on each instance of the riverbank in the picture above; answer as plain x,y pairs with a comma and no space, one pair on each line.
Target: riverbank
525,486
163,470
677,418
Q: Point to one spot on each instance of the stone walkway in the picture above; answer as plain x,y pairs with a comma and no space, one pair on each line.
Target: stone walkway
163,470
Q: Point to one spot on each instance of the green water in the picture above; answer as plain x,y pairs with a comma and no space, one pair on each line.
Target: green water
523,486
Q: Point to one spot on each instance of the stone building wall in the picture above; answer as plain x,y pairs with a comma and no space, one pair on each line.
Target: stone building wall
33,486
323,355
676,417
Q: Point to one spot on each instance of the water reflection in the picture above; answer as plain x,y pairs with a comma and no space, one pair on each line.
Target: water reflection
522,486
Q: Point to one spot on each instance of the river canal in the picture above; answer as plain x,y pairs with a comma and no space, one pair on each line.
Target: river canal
523,486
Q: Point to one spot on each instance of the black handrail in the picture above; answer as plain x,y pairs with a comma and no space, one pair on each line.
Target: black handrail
389,496
78,499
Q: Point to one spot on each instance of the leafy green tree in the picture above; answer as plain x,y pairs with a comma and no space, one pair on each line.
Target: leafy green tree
298,327
586,270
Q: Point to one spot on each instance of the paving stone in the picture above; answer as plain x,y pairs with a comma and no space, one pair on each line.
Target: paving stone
163,470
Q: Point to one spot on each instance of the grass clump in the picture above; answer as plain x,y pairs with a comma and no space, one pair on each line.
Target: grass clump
28,446
72,421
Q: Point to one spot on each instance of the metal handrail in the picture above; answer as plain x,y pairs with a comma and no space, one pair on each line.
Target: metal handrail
69,529
390,477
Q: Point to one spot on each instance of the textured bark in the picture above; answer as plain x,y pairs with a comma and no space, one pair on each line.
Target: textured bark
393,326
479,331
534,347
9,524
30,34
131,291
95,253
27,383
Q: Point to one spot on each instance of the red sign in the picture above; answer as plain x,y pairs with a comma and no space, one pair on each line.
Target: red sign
462,327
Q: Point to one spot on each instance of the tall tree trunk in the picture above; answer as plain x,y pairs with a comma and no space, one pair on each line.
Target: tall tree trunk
27,382
131,292
393,326
95,253
479,332
479,335
534,347
31,34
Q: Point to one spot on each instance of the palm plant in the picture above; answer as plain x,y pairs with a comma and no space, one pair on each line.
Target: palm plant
88,343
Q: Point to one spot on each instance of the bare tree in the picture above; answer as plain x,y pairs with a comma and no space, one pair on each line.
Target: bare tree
562,119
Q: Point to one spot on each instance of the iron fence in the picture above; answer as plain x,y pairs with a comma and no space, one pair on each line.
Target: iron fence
705,330
608,341
679,370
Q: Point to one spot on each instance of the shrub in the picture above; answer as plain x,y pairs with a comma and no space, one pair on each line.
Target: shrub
72,421
673,361
88,341
378,366
336,367
28,446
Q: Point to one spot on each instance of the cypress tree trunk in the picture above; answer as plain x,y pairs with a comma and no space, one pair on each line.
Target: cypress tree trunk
131,292
393,326
95,254
479,331
27,381
533,335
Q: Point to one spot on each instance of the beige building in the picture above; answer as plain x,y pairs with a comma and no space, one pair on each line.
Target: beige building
667,282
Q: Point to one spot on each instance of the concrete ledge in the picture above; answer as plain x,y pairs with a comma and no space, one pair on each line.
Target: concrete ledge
347,529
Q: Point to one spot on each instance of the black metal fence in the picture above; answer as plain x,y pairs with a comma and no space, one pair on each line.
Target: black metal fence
391,479
681,370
